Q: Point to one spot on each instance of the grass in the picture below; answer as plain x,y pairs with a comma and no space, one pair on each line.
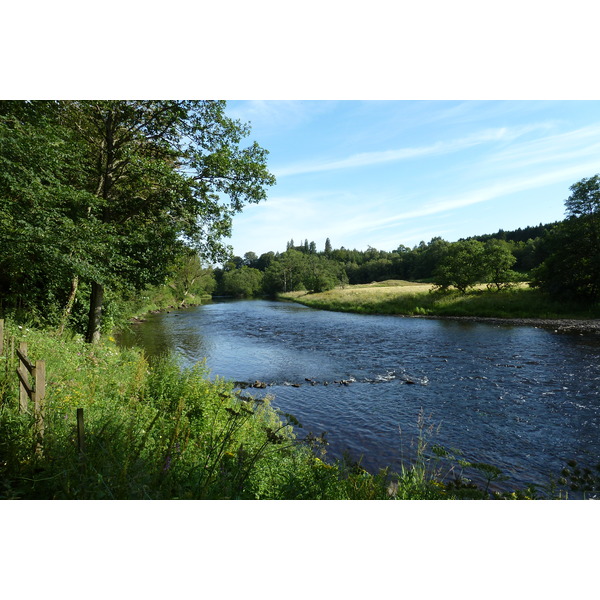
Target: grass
411,299
159,432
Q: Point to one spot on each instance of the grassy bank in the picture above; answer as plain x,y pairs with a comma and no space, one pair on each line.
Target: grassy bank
405,298
155,432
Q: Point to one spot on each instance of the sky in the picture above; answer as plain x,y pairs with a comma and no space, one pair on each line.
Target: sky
390,173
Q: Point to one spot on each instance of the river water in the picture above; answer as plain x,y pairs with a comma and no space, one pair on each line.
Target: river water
522,398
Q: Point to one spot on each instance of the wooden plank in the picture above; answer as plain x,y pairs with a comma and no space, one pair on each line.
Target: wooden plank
40,380
24,390
24,359
24,377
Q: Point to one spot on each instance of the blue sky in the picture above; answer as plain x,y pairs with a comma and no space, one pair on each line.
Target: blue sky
386,173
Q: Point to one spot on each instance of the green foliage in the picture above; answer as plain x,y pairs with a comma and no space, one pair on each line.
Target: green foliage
585,198
112,192
572,267
190,279
497,262
244,282
296,270
286,272
461,267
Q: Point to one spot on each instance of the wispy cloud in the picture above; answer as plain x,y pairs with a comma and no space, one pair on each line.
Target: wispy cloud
363,159
559,148
427,177
487,193
319,214
268,117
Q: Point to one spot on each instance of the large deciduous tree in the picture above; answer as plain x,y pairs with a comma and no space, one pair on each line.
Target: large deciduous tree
572,267
498,260
461,267
139,182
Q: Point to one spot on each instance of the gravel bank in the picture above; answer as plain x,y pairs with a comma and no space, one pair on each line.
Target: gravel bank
559,325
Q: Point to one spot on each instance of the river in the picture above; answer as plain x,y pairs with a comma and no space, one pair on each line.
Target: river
522,398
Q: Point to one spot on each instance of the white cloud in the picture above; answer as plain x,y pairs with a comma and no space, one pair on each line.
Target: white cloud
559,148
492,191
502,134
268,117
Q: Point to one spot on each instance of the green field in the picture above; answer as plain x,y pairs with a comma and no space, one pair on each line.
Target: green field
394,297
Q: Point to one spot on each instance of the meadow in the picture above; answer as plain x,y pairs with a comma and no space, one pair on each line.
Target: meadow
396,297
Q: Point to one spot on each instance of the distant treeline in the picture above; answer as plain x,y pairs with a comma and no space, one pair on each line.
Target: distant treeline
303,266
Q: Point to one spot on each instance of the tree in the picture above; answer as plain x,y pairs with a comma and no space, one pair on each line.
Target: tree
41,242
242,283
190,277
328,246
427,257
322,274
572,267
585,198
265,260
251,260
461,267
497,260
287,272
141,182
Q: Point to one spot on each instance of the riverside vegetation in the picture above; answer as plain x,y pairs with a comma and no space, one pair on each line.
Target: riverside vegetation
397,297
153,431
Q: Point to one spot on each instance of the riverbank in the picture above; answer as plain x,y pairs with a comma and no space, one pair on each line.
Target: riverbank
559,325
139,312
155,431
520,305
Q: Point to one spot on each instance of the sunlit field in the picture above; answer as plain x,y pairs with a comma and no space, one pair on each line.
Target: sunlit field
407,298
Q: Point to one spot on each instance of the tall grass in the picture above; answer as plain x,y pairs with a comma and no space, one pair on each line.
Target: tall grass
159,432
422,299
156,432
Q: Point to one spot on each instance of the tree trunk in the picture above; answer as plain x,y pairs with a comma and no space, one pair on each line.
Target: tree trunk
69,306
95,314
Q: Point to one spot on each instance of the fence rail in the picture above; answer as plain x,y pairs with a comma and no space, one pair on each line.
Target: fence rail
36,391
32,388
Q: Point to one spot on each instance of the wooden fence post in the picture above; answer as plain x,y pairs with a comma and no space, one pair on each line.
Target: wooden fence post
38,403
11,357
80,438
1,336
